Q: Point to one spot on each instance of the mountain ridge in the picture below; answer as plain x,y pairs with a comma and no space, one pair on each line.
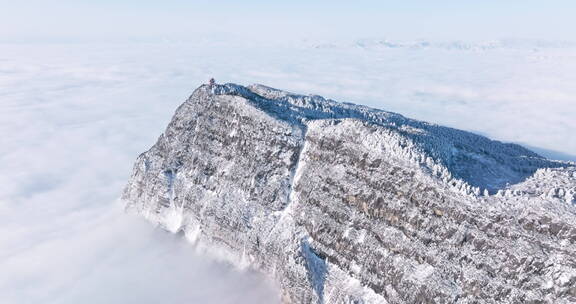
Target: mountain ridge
312,107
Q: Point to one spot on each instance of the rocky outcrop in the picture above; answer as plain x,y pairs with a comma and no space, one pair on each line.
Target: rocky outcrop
342,203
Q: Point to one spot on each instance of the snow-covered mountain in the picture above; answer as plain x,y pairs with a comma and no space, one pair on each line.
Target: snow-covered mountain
343,203
458,45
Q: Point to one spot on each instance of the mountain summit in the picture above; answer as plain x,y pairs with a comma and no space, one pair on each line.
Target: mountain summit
342,203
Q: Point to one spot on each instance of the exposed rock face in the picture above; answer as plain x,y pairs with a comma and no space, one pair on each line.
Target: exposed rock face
346,204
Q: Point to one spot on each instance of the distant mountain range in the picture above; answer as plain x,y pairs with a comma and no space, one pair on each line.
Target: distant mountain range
374,44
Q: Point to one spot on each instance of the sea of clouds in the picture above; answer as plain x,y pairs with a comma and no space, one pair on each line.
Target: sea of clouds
73,118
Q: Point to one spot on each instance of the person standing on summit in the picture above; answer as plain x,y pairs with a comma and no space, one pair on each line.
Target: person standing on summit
211,82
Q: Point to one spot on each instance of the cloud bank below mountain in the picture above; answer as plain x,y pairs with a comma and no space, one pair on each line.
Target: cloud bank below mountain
75,116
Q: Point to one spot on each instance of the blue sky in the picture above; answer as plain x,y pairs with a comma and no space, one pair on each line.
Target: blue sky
442,20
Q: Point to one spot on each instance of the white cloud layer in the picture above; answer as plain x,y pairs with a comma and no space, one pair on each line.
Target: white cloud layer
74,117
72,125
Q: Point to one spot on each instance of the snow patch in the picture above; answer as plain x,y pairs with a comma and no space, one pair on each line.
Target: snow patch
173,218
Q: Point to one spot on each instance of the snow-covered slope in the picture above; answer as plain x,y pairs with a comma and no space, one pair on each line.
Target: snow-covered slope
345,203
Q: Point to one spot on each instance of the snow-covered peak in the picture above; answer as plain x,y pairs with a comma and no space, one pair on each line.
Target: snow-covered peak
327,196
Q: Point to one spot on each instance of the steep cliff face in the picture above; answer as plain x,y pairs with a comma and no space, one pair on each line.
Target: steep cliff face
346,204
